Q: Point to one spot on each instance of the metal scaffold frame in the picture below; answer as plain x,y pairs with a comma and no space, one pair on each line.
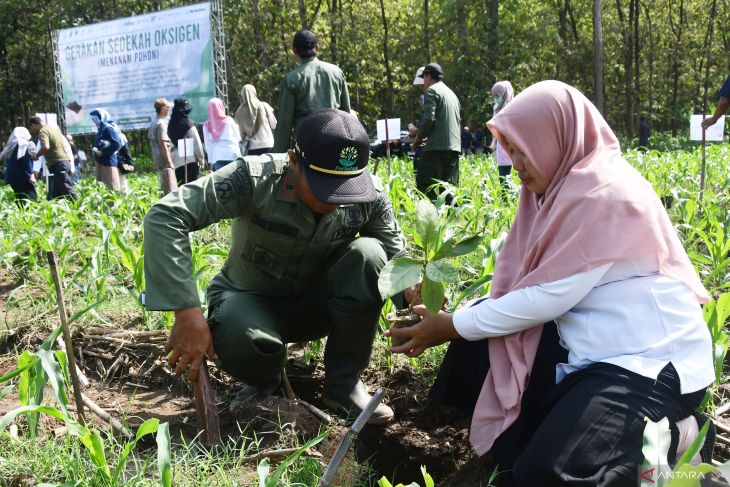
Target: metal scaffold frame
219,50
60,110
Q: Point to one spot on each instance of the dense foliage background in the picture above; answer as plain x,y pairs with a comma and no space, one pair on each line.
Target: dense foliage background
659,56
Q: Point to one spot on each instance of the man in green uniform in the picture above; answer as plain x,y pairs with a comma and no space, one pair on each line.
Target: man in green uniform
440,130
311,231
312,85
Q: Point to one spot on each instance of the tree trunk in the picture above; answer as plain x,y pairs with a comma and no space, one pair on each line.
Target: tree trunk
303,14
710,30
598,55
627,36
261,51
675,65
461,23
426,33
333,29
650,30
493,41
637,64
386,60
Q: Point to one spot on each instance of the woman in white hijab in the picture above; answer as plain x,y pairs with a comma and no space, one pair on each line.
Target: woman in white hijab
257,122
502,94
19,166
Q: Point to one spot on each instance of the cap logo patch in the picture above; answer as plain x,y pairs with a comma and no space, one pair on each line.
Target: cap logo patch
348,158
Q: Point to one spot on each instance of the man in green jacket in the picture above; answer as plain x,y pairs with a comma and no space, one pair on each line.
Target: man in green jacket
440,130
312,85
311,231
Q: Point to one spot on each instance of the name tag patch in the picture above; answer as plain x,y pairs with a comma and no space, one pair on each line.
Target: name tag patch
275,227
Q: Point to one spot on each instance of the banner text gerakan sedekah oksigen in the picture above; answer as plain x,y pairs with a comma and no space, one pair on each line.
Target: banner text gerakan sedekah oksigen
123,65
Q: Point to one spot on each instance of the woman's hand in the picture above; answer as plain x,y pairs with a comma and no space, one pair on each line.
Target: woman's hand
429,332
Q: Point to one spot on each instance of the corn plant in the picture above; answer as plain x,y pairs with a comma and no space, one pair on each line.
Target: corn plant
656,469
37,369
272,480
427,481
716,314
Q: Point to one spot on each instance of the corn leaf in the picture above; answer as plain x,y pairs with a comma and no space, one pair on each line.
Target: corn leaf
163,454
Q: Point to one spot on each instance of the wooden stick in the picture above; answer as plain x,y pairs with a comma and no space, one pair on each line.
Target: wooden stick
721,426
722,439
115,423
321,415
205,408
286,386
704,152
722,409
82,377
53,262
289,394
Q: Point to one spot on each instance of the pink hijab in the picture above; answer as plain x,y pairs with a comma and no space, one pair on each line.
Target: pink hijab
217,118
597,209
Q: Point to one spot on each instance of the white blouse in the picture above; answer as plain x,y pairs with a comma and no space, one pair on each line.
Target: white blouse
226,148
622,313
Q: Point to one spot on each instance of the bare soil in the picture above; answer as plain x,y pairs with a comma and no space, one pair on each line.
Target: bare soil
130,379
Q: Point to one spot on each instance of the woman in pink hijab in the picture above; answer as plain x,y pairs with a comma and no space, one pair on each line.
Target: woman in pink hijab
591,253
220,136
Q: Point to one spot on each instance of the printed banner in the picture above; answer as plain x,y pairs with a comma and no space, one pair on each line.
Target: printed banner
124,65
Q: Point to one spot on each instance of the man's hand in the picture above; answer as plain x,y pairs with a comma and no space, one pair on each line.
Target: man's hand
412,295
429,332
709,122
190,341
31,178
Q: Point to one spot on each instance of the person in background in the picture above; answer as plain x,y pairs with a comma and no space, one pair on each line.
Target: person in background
19,174
722,105
502,94
593,298
221,136
256,120
106,145
53,147
413,128
75,153
440,131
479,141
467,140
312,85
643,133
181,127
160,143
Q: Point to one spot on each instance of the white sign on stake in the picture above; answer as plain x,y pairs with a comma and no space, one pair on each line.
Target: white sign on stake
393,129
712,134
185,150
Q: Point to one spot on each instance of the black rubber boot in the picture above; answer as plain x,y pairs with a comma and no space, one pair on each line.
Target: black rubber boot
346,355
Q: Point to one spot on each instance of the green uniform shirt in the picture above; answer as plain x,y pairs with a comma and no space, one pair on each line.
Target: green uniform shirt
312,85
277,246
441,119
50,136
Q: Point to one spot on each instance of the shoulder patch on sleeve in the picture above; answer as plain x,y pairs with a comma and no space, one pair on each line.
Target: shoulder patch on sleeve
235,184
383,208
